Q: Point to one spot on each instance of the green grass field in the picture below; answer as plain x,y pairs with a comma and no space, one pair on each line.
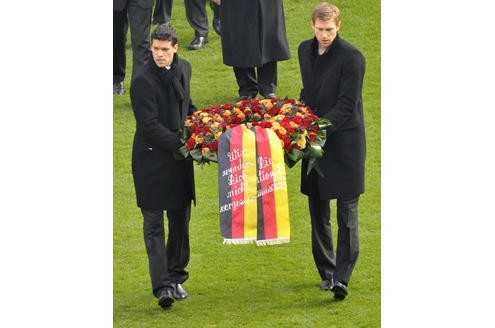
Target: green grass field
250,286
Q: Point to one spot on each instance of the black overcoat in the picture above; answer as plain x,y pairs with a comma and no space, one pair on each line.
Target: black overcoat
253,32
160,180
332,87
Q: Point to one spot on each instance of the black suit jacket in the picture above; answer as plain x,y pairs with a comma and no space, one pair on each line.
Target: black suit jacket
332,87
161,181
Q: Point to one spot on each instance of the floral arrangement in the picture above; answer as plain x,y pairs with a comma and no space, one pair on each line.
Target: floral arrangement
302,134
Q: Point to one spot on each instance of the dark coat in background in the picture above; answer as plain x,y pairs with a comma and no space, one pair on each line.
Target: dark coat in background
253,32
120,4
161,102
332,87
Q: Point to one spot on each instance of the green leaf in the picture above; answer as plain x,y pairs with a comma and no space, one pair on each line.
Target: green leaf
181,154
323,123
183,151
196,154
211,157
185,133
313,164
288,161
314,150
295,154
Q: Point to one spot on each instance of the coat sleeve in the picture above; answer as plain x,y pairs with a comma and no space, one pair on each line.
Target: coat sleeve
349,93
186,66
146,113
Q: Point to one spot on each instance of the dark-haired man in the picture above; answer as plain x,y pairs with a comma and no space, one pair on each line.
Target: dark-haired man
160,98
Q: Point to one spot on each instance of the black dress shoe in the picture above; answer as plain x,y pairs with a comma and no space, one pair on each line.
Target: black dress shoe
270,96
118,88
327,284
216,26
178,292
165,298
198,43
339,291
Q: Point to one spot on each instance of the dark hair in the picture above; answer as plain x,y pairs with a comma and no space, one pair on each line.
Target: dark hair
164,32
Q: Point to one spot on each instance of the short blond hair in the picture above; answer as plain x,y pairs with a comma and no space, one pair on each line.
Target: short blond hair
326,11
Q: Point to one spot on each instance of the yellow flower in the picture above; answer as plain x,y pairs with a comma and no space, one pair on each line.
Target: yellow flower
218,134
249,125
285,108
302,142
276,126
276,118
205,150
293,124
199,140
267,103
227,113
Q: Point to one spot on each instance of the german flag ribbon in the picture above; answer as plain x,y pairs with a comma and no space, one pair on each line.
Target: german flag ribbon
253,201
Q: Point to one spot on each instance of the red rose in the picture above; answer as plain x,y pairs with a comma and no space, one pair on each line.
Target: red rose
213,145
190,144
291,130
297,119
266,124
236,120
287,145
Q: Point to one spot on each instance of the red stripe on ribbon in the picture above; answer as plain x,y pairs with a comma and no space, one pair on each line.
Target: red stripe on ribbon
265,177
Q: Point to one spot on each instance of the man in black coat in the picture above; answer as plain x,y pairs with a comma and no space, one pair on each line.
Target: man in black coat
137,15
332,73
160,98
254,36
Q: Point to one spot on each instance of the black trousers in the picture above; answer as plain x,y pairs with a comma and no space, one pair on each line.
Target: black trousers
339,268
139,20
162,12
265,82
167,262
196,16
216,10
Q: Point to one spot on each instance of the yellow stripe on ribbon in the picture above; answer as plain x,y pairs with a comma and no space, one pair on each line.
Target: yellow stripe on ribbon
280,185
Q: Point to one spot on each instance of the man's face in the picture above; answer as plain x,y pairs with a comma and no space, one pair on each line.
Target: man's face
325,31
163,52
